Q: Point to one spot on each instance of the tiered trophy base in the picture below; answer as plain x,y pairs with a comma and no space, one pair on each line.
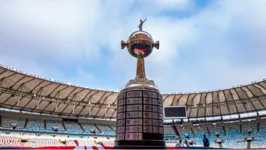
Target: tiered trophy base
140,117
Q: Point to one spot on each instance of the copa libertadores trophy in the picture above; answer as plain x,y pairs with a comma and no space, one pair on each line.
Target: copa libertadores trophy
139,103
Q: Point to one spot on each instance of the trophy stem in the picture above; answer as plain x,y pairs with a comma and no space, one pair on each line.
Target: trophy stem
140,74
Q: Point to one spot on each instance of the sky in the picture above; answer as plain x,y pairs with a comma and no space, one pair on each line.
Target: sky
204,44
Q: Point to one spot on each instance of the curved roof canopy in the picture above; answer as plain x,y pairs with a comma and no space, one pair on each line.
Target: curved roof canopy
20,91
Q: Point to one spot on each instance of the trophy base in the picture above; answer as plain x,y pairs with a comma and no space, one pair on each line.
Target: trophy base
139,118
140,144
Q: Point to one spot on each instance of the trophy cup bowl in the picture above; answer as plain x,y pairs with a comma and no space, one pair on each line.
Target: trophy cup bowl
140,44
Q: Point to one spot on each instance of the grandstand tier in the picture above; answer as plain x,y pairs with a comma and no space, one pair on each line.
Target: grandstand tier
30,93
37,133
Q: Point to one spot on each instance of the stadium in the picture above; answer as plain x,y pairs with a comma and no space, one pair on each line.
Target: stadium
37,112
201,45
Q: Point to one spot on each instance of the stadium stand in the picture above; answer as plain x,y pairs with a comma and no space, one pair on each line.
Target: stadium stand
252,126
106,130
113,127
233,131
35,125
169,131
6,122
185,131
199,131
73,127
37,129
216,129
89,128
53,123
8,139
262,128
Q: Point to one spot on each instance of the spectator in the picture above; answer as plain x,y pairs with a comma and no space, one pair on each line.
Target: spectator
178,144
206,142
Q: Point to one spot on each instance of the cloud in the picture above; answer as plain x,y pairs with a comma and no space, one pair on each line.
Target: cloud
218,46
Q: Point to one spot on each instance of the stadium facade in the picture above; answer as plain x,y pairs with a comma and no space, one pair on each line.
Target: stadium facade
34,106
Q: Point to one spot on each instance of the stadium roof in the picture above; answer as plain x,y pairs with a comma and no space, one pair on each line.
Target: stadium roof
24,92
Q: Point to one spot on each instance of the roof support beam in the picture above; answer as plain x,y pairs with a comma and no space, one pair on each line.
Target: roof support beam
90,98
37,86
198,104
3,72
165,99
23,77
234,102
191,106
212,106
67,98
49,95
20,95
14,73
1,82
68,95
38,92
262,85
255,96
89,112
205,104
219,104
177,101
100,101
42,100
73,98
44,108
84,101
66,106
12,95
57,97
97,111
111,104
173,100
104,103
25,94
240,99
89,101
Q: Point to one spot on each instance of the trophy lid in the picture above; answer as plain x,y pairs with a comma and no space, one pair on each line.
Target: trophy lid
140,32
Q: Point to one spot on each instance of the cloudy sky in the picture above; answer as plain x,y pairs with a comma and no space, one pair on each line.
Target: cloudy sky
205,44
